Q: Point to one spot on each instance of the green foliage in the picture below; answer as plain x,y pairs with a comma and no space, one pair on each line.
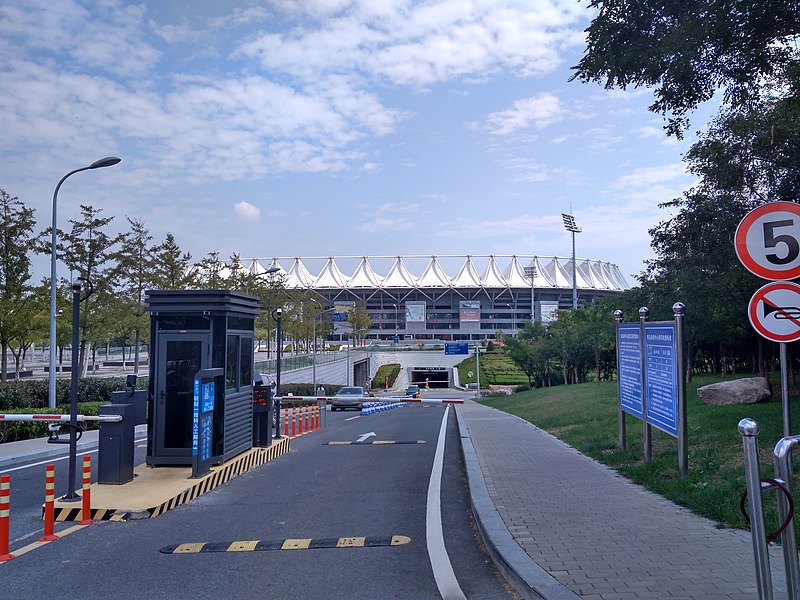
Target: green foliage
390,370
32,394
585,416
689,50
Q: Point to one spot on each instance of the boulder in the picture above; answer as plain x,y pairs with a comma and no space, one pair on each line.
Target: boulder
738,391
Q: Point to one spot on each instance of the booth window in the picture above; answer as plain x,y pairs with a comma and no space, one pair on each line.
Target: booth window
239,362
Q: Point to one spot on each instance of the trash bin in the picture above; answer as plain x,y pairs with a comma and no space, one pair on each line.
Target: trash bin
115,450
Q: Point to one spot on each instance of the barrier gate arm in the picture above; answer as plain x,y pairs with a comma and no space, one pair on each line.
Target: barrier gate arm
62,418
782,456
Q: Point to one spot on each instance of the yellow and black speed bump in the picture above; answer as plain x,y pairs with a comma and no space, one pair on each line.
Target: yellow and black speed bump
375,443
287,544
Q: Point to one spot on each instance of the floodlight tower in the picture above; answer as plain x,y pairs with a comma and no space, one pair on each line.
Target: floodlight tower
569,224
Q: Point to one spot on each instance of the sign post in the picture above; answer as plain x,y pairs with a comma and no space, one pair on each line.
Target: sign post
767,243
203,420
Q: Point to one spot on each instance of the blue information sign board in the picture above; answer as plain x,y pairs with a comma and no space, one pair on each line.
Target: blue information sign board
196,417
456,348
629,342
661,376
208,397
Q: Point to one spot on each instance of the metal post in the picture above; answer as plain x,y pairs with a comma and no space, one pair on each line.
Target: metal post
782,456
348,363
277,315
620,413
478,366
71,495
530,273
787,417
574,275
646,430
679,309
749,429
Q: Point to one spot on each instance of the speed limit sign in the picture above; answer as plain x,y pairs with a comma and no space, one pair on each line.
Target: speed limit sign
768,241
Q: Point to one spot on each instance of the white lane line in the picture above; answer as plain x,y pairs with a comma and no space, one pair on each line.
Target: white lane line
442,568
58,458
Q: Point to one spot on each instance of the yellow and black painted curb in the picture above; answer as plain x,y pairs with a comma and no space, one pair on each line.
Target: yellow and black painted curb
287,544
375,443
254,457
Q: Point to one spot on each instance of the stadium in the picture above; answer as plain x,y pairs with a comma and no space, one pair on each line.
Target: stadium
454,298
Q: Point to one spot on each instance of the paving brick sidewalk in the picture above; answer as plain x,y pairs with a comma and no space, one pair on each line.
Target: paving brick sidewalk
600,536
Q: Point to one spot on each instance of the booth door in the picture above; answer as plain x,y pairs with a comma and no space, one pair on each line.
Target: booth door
181,355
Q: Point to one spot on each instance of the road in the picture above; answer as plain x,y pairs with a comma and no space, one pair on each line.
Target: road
327,489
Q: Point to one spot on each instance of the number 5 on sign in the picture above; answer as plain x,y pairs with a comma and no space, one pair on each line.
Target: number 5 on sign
768,241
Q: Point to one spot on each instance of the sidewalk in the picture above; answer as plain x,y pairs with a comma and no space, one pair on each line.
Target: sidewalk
563,526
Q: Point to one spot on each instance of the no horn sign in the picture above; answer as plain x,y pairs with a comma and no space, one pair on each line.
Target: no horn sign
774,311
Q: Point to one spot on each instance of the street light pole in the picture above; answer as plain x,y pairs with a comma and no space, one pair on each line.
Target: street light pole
314,351
513,320
569,224
51,381
530,273
396,338
277,314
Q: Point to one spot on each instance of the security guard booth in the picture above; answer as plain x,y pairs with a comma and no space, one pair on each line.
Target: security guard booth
192,330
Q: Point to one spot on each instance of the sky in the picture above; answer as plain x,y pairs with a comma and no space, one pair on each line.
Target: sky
318,128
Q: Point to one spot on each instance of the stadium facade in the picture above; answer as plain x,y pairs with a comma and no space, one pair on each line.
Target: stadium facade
454,298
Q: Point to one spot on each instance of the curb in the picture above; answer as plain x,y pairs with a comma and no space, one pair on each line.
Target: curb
528,579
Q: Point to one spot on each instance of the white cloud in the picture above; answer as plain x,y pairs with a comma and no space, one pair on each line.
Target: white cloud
246,211
538,111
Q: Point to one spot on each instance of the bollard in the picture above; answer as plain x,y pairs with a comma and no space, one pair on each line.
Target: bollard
749,430
316,417
303,422
5,504
286,422
782,457
86,510
294,418
49,504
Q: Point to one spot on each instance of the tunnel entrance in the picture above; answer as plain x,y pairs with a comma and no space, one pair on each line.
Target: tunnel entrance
435,377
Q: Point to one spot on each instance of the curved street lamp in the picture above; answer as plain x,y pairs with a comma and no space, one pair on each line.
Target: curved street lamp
108,161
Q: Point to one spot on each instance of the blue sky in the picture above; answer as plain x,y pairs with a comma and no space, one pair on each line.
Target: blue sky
333,127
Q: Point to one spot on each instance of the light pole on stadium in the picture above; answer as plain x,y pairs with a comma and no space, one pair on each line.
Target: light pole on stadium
569,224
108,161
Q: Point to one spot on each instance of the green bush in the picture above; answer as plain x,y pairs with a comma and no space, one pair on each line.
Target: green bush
34,393
390,370
14,431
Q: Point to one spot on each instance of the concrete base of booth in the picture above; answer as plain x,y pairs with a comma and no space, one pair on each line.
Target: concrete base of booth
155,490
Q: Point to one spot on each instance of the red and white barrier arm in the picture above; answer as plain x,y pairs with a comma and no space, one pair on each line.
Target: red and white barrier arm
62,418
373,399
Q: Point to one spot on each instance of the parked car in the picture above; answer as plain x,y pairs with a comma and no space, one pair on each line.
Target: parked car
412,391
350,396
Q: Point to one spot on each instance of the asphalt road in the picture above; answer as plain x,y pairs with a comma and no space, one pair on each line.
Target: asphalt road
322,491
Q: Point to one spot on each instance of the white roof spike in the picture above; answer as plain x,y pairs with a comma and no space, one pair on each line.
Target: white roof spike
598,277
584,275
331,276
493,276
398,276
557,274
433,276
364,276
467,275
542,279
614,276
515,274
298,276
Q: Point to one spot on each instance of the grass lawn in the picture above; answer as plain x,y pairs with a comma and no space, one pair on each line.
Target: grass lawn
585,416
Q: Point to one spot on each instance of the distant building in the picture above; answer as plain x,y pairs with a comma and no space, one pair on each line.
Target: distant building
486,295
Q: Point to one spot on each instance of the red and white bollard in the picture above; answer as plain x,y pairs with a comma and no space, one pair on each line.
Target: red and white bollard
49,504
5,510
294,418
86,509
285,415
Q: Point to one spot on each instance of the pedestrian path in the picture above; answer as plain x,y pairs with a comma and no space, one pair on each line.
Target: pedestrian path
587,532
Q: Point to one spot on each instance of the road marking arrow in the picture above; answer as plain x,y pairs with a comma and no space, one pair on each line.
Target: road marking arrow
364,436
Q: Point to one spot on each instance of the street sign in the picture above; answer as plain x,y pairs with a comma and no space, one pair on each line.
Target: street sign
767,241
629,342
456,349
774,311
661,376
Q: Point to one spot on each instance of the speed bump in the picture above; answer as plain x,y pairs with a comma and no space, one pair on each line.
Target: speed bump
287,544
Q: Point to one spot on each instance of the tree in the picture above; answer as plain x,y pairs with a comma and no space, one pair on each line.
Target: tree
136,272
689,49
88,251
172,266
360,322
16,242
529,351
210,271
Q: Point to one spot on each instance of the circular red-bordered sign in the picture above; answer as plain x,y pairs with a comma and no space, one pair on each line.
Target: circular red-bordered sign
767,241
774,311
